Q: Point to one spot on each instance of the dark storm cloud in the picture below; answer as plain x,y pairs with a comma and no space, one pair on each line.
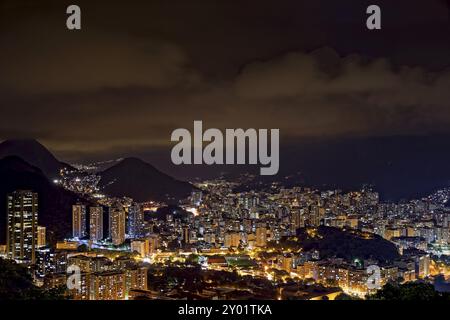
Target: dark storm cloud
137,71
88,62
299,74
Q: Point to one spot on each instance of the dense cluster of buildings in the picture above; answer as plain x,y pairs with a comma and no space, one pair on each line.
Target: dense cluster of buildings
99,276
114,241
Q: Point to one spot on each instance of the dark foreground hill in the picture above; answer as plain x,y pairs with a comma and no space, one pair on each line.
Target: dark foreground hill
55,203
34,153
16,283
345,244
141,181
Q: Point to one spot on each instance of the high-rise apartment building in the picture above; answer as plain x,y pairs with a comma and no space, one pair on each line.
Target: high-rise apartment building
117,224
79,221
96,223
141,246
261,236
108,285
22,220
136,221
41,237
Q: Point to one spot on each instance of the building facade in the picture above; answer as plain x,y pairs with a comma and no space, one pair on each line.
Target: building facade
79,221
96,223
22,212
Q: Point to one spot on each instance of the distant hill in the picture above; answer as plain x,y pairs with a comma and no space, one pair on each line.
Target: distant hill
34,153
345,244
141,181
55,203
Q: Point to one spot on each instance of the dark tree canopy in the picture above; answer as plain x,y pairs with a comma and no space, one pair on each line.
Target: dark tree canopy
346,244
412,291
16,284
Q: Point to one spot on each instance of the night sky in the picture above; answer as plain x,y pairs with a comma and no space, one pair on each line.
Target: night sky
140,69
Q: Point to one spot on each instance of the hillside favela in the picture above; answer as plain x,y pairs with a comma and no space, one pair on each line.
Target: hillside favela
122,230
